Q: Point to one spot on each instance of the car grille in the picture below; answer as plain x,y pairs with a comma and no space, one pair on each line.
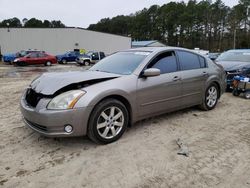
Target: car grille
37,126
32,98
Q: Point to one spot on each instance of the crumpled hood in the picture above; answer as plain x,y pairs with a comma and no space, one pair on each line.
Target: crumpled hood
49,83
233,65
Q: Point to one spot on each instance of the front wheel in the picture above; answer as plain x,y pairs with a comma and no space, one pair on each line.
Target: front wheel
235,92
211,97
21,63
108,121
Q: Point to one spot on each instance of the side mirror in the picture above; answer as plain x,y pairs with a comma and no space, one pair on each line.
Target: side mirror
28,56
151,72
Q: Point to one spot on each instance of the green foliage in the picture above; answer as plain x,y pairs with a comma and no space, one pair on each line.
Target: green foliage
13,22
32,23
194,24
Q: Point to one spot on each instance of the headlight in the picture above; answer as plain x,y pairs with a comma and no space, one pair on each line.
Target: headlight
65,100
16,60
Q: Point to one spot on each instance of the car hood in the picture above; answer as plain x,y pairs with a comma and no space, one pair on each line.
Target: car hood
233,65
50,83
21,59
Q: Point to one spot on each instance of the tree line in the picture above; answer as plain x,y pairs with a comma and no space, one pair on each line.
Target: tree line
33,22
203,24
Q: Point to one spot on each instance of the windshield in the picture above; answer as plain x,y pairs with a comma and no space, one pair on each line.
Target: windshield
121,63
22,53
235,56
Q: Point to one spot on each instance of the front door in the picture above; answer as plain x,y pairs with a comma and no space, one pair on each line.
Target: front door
33,58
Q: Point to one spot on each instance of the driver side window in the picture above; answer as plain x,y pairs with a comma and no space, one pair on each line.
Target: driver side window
166,62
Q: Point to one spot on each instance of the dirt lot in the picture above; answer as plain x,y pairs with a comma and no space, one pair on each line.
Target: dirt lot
146,156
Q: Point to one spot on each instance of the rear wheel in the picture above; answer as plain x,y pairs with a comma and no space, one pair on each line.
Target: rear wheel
86,63
247,94
64,61
211,97
108,121
48,63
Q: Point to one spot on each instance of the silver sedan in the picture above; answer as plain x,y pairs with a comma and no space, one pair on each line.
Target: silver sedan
120,90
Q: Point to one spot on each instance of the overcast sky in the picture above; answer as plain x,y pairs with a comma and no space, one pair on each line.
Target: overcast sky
77,13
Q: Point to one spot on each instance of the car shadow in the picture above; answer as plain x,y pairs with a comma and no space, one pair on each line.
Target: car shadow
85,143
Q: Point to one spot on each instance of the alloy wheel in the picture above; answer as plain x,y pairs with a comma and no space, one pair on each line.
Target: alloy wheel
110,122
212,96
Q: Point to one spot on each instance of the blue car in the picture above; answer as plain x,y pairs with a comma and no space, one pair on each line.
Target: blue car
68,57
9,58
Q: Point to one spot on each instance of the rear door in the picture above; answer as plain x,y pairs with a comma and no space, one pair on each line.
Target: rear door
194,75
43,58
160,93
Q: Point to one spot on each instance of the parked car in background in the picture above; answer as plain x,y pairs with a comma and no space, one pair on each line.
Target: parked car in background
36,58
235,62
213,56
68,57
119,90
90,57
9,58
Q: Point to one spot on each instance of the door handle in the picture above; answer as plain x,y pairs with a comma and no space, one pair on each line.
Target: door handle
176,78
204,73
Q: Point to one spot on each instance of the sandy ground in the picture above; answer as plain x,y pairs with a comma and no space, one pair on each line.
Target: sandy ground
146,156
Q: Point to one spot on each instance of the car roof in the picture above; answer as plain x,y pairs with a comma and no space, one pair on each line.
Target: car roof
160,49
240,50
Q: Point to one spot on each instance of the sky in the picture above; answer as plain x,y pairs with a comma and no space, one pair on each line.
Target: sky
77,13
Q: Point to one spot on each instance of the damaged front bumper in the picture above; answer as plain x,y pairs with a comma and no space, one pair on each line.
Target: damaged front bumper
52,122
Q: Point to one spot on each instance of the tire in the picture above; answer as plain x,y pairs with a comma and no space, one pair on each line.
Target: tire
86,63
64,61
211,97
247,95
235,92
21,63
48,63
103,127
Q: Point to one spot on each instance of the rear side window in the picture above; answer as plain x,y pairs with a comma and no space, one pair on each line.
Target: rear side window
202,62
166,62
188,60
42,55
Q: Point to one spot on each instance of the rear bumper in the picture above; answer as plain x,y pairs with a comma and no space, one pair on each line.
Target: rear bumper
52,122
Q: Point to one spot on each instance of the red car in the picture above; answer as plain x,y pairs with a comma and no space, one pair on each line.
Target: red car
36,58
